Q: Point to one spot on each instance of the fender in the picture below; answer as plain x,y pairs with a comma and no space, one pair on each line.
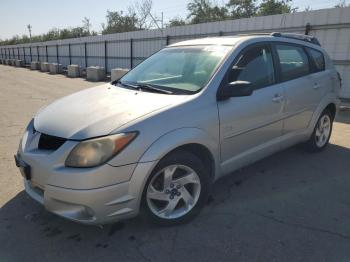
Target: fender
179,137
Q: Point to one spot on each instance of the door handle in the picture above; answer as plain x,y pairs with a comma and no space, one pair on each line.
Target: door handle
316,86
277,98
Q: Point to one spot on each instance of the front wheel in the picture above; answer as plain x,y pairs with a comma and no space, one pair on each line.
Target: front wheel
177,189
322,133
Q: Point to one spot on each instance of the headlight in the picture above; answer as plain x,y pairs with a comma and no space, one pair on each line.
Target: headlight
94,152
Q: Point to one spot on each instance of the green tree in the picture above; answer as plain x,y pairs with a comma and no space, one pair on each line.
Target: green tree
117,22
205,11
242,8
341,4
176,21
274,7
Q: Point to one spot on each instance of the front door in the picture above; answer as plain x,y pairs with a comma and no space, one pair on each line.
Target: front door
251,125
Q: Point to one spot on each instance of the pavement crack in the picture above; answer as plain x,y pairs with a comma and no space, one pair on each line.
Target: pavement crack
297,225
139,251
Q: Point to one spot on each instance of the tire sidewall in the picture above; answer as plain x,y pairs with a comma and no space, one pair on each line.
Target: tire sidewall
187,159
312,145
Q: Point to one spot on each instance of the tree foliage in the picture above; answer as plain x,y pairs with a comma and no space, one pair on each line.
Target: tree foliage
242,8
139,17
53,34
275,7
176,21
341,4
117,22
201,11
205,11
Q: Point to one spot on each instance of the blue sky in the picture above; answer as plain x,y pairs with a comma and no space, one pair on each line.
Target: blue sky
46,14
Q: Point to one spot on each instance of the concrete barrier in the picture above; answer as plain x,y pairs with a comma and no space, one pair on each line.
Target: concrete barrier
35,65
19,63
74,71
95,73
118,73
44,67
55,68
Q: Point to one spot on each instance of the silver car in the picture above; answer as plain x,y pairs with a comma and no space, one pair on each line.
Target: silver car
154,141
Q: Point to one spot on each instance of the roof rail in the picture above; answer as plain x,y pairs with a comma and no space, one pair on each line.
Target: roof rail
306,38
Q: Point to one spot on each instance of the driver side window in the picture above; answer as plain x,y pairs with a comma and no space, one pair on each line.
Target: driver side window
254,65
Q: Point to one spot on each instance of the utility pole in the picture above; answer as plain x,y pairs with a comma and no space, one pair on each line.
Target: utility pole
162,20
30,32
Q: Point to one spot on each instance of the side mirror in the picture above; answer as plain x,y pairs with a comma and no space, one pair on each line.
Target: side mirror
235,89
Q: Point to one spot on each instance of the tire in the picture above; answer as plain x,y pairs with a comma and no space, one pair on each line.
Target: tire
322,133
177,189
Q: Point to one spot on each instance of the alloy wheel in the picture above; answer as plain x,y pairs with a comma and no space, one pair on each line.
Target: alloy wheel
323,131
173,191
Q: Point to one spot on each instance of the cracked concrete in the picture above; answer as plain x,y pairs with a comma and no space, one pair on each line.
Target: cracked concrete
292,206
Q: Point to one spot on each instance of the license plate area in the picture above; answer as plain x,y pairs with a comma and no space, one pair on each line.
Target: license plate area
23,167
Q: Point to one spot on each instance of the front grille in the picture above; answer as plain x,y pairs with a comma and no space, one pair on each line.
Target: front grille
47,142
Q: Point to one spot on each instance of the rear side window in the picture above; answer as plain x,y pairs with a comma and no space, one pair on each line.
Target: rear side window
254,65
293,61
317,59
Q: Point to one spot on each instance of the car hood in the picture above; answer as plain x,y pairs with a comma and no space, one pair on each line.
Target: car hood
98,111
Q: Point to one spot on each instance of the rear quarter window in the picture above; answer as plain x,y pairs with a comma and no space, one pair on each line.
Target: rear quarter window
317,59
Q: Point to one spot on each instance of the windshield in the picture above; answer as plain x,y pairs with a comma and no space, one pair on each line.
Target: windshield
178,69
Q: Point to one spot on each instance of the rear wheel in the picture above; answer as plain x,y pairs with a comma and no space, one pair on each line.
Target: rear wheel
322,133
177,189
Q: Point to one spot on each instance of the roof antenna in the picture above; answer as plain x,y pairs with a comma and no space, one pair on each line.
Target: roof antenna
307,29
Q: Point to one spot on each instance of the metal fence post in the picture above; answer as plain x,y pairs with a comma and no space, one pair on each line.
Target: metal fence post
57,55
307,28
85,55
106,62
30,53
167,40
69,54
131,53
37,53
18,53
47,55
24,55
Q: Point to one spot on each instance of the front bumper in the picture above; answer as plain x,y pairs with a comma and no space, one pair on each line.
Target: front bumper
98,195
94,206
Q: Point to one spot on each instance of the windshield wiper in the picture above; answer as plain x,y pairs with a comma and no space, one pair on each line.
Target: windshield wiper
153,88
126,84
149,87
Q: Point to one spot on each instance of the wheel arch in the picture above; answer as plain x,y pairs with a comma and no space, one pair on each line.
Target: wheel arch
193,140
330,102
332,108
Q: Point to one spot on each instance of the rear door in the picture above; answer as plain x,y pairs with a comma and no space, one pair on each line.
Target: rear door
302,90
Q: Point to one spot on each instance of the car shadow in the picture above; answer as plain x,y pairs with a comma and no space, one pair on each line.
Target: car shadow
268,187
343,116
